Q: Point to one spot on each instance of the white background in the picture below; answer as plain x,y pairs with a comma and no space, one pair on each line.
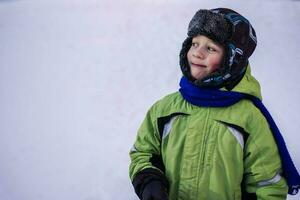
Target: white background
77,77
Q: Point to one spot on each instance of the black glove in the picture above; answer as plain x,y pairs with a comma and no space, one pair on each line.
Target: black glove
151,184
155,190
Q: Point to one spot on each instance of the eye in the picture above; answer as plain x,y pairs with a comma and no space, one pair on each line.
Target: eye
211,49
194,44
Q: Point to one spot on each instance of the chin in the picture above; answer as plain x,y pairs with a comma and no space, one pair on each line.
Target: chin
197,76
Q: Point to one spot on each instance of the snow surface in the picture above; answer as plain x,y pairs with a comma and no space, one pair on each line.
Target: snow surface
77,77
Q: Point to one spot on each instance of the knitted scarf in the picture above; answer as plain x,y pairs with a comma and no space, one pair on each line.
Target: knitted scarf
208,97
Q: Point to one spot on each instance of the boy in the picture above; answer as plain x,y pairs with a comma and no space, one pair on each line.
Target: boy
212,139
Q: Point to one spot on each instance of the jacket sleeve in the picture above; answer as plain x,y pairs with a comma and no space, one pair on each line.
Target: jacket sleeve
262,164
146,162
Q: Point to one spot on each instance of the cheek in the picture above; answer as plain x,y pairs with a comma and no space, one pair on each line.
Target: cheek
189,55
215,62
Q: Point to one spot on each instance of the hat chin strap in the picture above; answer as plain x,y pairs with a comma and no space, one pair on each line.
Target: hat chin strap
215,80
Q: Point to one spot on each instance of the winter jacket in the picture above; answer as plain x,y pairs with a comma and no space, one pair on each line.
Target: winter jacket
208,153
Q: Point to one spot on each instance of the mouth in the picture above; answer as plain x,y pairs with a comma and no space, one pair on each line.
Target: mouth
198,65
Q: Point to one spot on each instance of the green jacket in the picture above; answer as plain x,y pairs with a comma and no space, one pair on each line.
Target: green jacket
211,153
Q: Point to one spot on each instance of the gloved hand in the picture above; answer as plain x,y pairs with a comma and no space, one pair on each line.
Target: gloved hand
155,190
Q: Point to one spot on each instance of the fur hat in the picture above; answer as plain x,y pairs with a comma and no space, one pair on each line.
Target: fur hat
234,33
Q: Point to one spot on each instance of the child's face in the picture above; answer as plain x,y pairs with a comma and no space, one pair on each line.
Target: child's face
204,56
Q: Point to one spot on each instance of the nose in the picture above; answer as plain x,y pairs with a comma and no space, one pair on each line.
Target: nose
199,52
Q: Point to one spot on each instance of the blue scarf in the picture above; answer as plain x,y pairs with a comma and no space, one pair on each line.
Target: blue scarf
217,98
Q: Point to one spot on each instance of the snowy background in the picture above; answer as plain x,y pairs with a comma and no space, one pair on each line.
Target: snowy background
77,77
